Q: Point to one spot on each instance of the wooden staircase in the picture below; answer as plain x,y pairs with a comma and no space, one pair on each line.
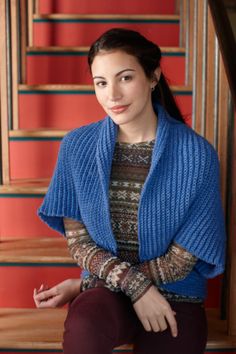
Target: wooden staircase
33,329
55,97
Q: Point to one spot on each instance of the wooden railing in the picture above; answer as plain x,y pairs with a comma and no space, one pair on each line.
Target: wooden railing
5,88
231,269
206,74
211,70
16,34
227,41
227,46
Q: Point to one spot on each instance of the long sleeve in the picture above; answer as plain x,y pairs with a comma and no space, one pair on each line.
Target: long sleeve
173,266
117,274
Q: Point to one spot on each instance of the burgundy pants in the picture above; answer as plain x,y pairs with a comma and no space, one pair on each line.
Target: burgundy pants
99,320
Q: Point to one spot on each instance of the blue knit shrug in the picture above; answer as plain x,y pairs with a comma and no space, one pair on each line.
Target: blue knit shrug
180,200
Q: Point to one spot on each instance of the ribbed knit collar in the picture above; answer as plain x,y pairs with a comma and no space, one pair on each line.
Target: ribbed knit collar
104,153
107,139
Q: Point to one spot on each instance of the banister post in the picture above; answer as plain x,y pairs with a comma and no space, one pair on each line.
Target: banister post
5,109
232,230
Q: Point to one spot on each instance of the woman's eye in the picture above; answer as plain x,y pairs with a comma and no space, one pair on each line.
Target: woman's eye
100,83
126,78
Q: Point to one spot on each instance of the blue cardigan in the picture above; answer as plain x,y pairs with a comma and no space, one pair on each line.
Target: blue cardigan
180,200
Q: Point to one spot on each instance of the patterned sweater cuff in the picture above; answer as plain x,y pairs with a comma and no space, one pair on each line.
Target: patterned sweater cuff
121,276
135,284
92,281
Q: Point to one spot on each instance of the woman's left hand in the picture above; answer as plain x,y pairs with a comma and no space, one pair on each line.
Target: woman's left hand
58,295
155,313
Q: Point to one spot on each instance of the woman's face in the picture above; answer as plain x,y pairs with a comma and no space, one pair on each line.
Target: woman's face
121,87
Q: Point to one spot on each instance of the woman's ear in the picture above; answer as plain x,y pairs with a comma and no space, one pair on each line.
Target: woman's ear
156,78
157,74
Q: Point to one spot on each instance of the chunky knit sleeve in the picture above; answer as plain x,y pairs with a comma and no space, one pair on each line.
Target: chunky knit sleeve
203,232
61,198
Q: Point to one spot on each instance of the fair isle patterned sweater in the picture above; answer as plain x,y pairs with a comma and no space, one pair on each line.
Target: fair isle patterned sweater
179,203
130,166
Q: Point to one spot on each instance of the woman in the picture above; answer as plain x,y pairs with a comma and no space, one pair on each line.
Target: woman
137,197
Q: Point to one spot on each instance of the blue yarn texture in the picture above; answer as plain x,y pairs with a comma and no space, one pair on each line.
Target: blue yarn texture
180,200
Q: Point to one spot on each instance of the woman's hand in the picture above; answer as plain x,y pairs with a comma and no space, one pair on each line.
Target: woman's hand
155,312
58,295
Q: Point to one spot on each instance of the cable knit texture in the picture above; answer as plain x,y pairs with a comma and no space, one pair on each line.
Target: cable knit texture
180,200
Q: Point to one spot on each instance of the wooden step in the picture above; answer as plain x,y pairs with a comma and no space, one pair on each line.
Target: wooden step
106,17
62,65
41,251
15,135
73,88
166,51
33,329
63,88
25,187
69,106
82,30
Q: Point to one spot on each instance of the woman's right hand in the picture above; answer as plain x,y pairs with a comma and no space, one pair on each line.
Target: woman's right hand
58,295
155,313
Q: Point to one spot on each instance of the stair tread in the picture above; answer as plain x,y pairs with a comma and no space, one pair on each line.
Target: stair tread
71,87
42,329
86,49
25,186
105,16
56,87
37,250
37,133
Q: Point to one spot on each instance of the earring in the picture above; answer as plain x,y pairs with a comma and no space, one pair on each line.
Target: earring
153,88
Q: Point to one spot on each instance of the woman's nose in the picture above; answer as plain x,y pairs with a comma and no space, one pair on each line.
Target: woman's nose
114,92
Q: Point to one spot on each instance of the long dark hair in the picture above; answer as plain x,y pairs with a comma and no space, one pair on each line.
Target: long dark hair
148,55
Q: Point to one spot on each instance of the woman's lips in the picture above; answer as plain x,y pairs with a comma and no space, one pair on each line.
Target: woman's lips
119,109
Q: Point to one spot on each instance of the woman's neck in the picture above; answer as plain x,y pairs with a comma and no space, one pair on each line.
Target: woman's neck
139,132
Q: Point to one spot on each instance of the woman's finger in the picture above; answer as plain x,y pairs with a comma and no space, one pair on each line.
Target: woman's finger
162,323
46,294
146,325
172,323
49,303
155,325
35,293
43,288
